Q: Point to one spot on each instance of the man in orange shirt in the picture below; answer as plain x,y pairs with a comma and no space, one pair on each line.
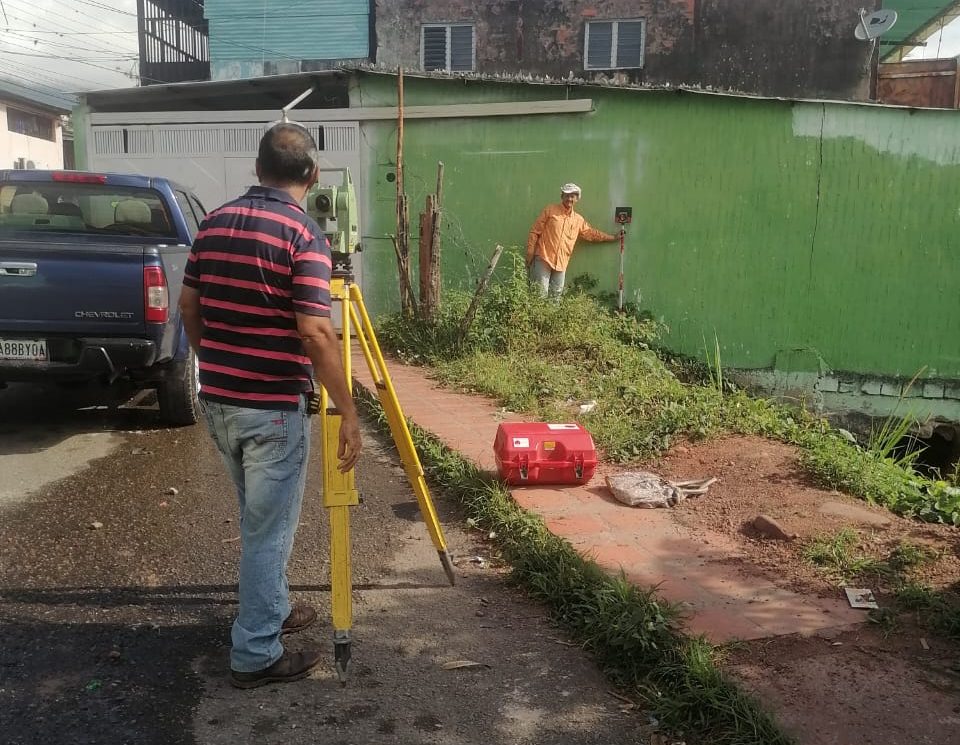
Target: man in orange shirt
553,237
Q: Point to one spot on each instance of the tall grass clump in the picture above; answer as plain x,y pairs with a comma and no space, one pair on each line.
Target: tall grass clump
545,357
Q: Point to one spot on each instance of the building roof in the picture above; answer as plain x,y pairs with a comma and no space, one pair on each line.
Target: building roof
330,91
268,92
917,20
55,103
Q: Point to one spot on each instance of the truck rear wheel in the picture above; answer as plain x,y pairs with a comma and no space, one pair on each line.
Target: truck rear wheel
177,394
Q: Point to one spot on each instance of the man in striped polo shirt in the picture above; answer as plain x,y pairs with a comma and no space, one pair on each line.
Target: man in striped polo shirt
256,307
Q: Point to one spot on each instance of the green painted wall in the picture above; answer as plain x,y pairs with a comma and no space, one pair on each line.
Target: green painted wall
779,226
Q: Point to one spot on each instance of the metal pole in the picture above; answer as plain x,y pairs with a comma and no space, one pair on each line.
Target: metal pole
620,290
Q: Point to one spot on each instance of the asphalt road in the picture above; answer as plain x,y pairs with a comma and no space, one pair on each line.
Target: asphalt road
118,553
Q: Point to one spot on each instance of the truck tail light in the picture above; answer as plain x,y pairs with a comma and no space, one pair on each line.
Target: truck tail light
156,296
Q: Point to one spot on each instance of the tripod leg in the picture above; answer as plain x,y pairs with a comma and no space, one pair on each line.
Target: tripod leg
398,425
339,495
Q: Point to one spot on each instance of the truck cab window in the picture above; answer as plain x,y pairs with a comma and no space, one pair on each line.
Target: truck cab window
193,222
84,208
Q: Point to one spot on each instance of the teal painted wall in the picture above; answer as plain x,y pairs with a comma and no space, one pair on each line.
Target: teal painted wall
244,33
776,225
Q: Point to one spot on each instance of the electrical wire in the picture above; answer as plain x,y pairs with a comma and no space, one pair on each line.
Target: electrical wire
21,47
76,23
71,46
56,19
70,5
67,59
49,76
35,87
65,33
102,6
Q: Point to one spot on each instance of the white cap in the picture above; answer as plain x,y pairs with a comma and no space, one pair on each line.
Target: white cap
570,189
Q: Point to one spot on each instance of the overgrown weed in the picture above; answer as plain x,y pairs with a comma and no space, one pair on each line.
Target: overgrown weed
544,357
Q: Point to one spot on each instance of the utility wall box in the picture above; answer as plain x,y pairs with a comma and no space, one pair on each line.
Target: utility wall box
534,453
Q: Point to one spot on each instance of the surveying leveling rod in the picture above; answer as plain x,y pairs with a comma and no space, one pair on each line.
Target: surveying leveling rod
623,216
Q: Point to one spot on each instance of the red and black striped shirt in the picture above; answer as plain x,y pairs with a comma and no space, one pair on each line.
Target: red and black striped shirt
256,262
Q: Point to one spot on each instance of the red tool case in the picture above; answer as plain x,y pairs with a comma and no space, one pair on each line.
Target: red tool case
541,453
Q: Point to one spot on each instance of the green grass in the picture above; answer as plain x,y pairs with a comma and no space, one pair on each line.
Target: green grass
937,610
835,554
842,558
632,633
543,357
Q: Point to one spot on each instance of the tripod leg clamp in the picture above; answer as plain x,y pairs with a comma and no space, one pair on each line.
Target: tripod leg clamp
341,654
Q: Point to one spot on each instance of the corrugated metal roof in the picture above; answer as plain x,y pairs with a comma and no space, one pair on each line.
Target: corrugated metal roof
61,103
916,19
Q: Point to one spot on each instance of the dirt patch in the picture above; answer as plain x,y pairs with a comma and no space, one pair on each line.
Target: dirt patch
833,688
762,477
858,687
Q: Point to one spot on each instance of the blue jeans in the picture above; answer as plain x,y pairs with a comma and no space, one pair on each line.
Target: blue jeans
266,454
547,279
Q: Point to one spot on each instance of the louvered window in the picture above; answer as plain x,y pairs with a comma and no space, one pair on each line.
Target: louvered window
447,47
614,45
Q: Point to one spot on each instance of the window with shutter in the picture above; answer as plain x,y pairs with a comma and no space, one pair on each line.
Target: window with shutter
434,47
614,45
461,47
599,45
449,47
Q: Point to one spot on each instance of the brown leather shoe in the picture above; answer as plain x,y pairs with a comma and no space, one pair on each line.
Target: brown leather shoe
301,616
292,666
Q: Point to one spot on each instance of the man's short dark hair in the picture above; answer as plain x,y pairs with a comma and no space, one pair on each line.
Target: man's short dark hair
287,154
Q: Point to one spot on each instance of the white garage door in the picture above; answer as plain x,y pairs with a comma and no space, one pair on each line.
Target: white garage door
215,161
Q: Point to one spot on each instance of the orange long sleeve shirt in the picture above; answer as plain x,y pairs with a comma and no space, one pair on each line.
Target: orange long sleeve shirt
555,233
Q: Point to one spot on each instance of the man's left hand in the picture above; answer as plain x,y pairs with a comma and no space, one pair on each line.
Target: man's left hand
350,443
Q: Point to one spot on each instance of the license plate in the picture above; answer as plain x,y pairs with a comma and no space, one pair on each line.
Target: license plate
29,350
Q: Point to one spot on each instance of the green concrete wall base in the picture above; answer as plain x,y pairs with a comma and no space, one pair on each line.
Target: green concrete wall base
843,396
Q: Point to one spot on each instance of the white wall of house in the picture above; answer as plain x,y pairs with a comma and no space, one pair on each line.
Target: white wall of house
43,152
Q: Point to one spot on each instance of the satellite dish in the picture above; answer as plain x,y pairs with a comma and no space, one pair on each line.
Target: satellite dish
875,24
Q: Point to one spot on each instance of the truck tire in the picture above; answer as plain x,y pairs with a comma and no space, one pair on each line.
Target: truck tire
177,393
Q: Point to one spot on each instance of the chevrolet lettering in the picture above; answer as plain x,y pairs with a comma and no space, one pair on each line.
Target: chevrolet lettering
108,314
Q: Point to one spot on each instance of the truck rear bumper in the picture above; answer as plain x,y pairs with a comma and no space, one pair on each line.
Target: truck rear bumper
83,359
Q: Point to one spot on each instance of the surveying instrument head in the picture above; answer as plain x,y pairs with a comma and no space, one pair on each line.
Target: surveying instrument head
335,210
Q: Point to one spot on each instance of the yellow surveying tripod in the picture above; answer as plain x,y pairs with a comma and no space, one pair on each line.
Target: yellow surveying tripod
338,204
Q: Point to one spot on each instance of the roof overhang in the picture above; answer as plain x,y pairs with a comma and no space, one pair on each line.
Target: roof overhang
331,90
918,20
10,94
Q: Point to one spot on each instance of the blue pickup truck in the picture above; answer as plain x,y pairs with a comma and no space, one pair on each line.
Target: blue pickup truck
91,267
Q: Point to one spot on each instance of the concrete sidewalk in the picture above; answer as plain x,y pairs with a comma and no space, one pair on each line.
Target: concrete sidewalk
724,602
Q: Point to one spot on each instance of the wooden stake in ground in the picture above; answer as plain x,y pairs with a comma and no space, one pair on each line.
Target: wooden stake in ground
481,288
430,251
401,241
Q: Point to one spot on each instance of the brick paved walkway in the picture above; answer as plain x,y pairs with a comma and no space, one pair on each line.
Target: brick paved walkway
648,545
